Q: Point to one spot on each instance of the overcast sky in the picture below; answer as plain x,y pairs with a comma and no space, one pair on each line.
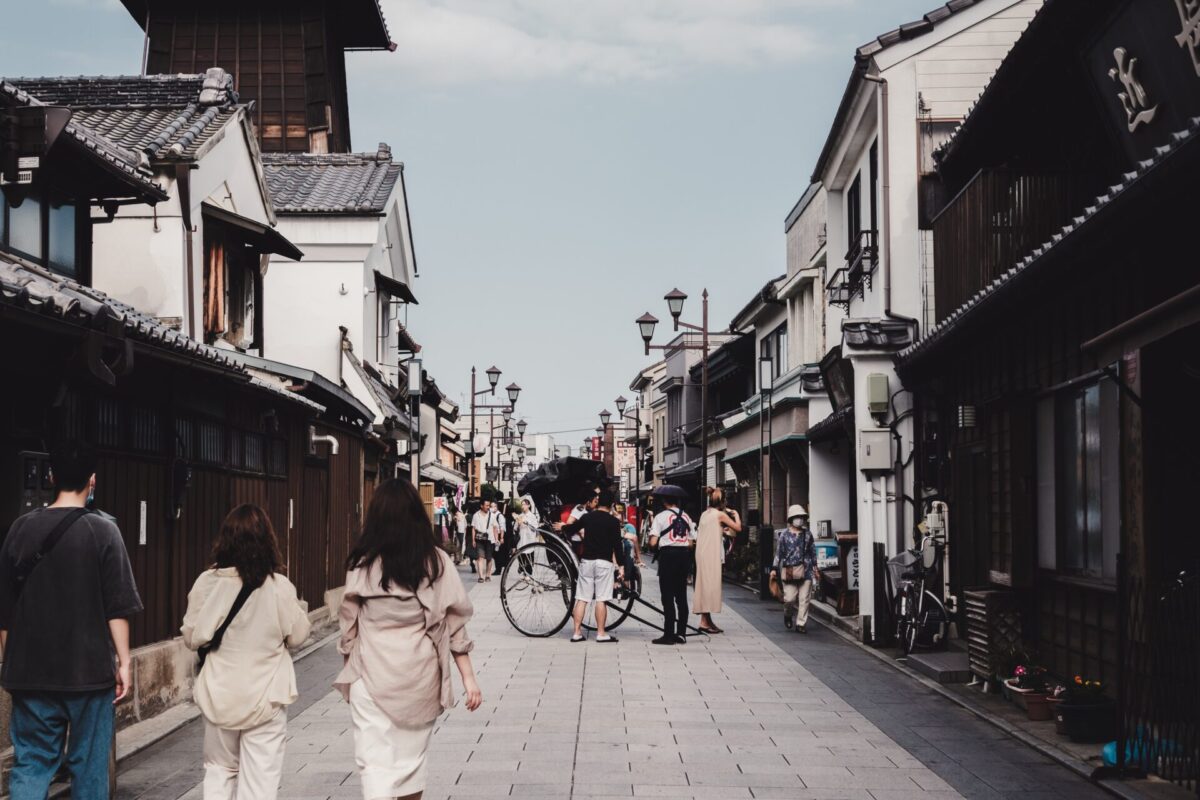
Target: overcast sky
568,162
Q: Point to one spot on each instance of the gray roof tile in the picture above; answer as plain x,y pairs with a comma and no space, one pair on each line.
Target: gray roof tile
164,117
331,183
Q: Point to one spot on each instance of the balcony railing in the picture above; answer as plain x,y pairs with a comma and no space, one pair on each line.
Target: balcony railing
997,219
853,279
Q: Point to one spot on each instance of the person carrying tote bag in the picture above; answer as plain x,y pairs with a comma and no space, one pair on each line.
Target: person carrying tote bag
242,616
795,568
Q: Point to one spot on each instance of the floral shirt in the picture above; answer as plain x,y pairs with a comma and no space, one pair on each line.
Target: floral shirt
795,548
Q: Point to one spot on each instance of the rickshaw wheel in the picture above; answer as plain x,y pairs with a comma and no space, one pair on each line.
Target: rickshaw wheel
537,590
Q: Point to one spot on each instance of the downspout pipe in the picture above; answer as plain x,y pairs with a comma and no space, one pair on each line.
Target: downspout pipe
183,178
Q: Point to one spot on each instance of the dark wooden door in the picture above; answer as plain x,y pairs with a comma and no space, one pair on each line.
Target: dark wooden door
970,531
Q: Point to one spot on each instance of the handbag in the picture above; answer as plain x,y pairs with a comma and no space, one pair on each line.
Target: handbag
776,589
215,642
795,574
25,567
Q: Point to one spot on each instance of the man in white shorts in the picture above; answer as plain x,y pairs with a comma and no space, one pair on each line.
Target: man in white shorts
601,562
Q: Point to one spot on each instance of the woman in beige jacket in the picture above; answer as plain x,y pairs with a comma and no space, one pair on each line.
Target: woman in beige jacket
247,681
403,620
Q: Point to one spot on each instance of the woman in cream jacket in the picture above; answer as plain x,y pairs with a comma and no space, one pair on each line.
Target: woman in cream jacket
247,682
403,621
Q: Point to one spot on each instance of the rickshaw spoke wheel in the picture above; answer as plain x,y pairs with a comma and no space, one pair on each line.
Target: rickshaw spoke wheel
537,590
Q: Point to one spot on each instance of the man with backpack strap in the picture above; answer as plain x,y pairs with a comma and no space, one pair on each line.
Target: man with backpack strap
674,535
66,596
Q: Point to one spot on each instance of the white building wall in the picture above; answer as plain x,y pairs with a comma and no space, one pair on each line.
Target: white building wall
305,304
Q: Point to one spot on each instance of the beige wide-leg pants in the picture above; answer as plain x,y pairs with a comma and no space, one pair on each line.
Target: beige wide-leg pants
244,765
795,599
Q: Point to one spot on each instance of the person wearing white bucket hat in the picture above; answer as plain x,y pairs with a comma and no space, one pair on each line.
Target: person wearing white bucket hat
796,567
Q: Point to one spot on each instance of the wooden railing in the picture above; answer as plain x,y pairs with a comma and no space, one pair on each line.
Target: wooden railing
996,220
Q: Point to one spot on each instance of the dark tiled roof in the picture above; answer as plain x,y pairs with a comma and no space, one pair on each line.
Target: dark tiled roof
912,30
130,165
42,292
1031,263
883,333
385,396
335,183
165,117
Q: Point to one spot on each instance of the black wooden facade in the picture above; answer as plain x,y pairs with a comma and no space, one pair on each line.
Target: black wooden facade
1066,302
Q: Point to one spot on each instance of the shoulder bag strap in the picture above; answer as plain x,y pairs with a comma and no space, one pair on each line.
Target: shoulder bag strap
215,643
26,567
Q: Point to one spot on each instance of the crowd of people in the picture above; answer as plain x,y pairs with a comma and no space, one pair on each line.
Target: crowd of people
67,593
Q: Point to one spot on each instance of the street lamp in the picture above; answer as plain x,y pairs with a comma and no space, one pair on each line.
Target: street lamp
646,323
521,426
675,300
493,375
605,416
620,403
507,414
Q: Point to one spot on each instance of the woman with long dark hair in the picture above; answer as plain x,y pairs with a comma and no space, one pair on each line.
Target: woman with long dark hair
243,615
403,620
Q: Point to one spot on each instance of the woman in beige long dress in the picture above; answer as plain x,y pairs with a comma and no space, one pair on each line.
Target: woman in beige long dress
710,549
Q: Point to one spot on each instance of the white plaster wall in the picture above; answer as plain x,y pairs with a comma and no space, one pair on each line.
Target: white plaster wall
303,308
139,265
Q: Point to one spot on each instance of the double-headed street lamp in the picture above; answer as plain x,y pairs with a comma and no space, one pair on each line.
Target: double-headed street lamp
646,324
513,390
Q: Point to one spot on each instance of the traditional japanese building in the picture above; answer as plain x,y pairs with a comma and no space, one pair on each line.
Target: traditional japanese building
1053,388
287,58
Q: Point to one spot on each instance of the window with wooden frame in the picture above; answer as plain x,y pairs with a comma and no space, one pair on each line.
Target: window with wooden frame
1079,488
46,232
232,292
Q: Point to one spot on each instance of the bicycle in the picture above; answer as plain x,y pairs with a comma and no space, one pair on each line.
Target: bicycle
921,618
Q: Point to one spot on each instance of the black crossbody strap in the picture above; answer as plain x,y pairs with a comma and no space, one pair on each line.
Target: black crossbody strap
26,566
215,643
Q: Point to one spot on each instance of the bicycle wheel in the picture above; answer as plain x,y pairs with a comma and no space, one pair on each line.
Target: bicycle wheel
618,610
537,590
906,631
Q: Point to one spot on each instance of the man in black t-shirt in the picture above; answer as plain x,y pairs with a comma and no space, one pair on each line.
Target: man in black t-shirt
602,557
66,596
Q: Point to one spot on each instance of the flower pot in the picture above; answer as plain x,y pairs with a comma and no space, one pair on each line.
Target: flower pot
1037,707
1021,696
1089,722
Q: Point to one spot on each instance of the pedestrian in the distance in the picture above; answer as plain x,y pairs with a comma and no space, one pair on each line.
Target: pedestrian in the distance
242,616
403,619
485,534
460,535
673,535
66,596
710,555
796,567
527,522
600,564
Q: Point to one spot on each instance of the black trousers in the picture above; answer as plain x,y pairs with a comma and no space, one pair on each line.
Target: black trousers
674,564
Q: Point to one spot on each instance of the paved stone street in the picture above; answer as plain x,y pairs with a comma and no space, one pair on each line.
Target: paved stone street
753,713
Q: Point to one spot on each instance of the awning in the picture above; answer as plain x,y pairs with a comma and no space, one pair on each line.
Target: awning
262,236
791,438
689,470
832,427
395,288
440,472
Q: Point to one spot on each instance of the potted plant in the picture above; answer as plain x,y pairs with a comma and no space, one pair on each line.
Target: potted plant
1028,686
1085,713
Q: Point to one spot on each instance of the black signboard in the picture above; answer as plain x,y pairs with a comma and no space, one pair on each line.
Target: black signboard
1145,66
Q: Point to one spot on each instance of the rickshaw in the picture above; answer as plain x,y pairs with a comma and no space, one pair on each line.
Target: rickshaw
537,587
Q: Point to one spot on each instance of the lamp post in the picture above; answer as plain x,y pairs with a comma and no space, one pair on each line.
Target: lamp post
766,533
646,323
493,375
